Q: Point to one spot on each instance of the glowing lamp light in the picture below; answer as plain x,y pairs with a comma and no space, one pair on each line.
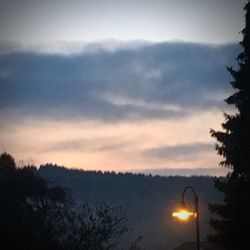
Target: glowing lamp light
183,214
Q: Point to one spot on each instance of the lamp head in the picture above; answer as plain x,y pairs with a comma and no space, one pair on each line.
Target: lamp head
183,213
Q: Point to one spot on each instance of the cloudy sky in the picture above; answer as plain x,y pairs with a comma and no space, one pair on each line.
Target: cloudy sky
116,85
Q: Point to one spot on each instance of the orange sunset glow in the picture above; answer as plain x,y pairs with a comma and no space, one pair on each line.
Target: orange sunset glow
93,145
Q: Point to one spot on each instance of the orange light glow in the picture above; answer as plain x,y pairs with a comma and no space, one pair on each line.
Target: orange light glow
183,214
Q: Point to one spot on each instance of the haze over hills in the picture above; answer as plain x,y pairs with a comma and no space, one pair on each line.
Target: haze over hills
146,201
184,171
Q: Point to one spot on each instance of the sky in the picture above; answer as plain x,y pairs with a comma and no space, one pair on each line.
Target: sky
116,85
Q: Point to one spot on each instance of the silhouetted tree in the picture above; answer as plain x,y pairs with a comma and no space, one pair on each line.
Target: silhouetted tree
35,215
7,164
87,227
26,200
232,221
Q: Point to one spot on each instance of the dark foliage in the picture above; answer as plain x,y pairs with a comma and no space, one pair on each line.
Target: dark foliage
232,218
7,164
25,203
38,216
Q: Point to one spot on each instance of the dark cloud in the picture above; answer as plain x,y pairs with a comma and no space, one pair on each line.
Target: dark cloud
180,151
163,80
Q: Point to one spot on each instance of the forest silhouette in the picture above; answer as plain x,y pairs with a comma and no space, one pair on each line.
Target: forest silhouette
53,207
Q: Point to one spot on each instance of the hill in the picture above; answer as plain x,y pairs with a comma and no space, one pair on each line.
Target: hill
146,201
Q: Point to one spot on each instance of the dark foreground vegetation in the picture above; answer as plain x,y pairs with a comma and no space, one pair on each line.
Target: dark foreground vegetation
232,218
37,216
53,207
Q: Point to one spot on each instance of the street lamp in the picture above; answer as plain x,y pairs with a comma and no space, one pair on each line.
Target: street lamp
184,214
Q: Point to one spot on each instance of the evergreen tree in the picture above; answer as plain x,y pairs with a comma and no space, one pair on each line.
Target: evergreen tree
7,164
232,217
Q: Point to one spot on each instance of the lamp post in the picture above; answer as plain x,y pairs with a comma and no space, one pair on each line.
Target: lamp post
185,214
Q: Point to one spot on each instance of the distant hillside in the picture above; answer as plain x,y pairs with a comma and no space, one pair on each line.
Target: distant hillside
146,201
218,171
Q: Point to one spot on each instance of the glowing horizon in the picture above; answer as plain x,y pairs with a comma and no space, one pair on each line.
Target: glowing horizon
114,85
97,146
